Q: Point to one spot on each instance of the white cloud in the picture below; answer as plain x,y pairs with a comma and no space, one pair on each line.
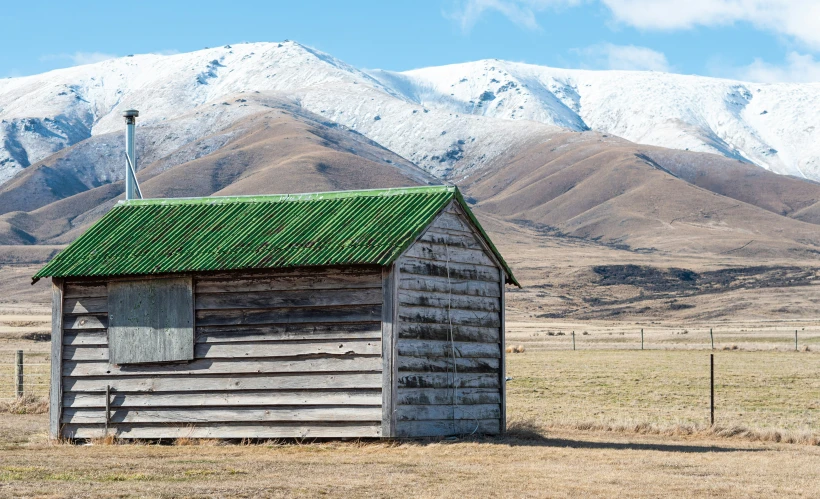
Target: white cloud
627,57
520,12
799,19
798,68
167,52
80,58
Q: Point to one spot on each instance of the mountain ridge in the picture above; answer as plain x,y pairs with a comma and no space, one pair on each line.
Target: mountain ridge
445,119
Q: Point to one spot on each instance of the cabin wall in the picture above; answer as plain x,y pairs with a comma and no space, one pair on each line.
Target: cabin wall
276,355
449,387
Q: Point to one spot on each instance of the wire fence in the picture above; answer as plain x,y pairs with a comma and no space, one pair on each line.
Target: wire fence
620,376
23,374
582,337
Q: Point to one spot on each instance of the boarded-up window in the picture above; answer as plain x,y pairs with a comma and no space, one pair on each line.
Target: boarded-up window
150,320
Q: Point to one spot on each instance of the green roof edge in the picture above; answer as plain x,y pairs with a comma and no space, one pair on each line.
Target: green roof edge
306,196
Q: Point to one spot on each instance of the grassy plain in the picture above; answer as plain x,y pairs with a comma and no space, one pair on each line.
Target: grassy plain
607,419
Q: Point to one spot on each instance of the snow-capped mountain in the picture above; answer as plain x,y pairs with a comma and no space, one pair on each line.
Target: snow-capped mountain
448,120
776,126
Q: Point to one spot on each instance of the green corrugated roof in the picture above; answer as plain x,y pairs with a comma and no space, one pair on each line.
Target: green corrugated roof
157,236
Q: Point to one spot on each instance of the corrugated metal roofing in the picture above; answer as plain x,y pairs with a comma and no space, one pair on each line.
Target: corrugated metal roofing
157,236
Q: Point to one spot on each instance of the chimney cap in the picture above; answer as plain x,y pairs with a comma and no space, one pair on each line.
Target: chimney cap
131,113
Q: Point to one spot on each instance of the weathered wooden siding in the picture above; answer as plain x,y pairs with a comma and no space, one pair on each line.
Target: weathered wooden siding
284,354
449,282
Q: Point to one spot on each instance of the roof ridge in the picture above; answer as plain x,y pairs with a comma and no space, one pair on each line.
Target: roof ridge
290,197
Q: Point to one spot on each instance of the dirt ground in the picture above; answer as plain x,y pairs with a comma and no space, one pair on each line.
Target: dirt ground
557,463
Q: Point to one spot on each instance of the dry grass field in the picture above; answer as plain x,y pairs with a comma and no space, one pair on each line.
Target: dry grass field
607,419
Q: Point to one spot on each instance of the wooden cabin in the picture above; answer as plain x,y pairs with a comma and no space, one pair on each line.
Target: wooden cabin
376,313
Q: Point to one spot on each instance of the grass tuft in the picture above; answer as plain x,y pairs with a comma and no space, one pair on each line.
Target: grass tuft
684,429
27,404
106,440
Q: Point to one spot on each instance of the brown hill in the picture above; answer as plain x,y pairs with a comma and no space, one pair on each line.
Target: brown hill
590,186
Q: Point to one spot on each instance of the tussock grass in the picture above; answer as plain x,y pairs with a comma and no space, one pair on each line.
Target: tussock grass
186,441
27,404
530,430
106,440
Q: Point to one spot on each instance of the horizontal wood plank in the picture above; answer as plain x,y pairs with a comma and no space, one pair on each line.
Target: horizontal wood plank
441,332
429,348
443,252
450,220
452,286
455,270
263,430
98,321
288,298
445,428
436,365
458,317
448,300
85,353
231,415
223,399
252,333
86,305
445,380
85,290
451,239
239,366
287,349
437,412
336,279
250,350
288,332
320,381
360,313
86,338
445,396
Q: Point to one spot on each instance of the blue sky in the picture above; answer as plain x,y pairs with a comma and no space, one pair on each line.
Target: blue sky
762,40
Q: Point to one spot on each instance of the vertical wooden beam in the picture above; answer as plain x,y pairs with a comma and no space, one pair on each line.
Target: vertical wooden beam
389,282
107,407
395,349
502,333
18,373
712,389
55,407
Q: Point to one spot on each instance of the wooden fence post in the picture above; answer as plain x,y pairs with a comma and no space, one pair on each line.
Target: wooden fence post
712,388
573,340
641,338
18,370
795,340
712,338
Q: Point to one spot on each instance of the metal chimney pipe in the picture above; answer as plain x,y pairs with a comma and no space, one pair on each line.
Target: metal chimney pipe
130,178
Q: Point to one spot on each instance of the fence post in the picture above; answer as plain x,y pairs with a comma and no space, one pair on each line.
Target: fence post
641,338
712,338
18,370
712,388
573,340
795,340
